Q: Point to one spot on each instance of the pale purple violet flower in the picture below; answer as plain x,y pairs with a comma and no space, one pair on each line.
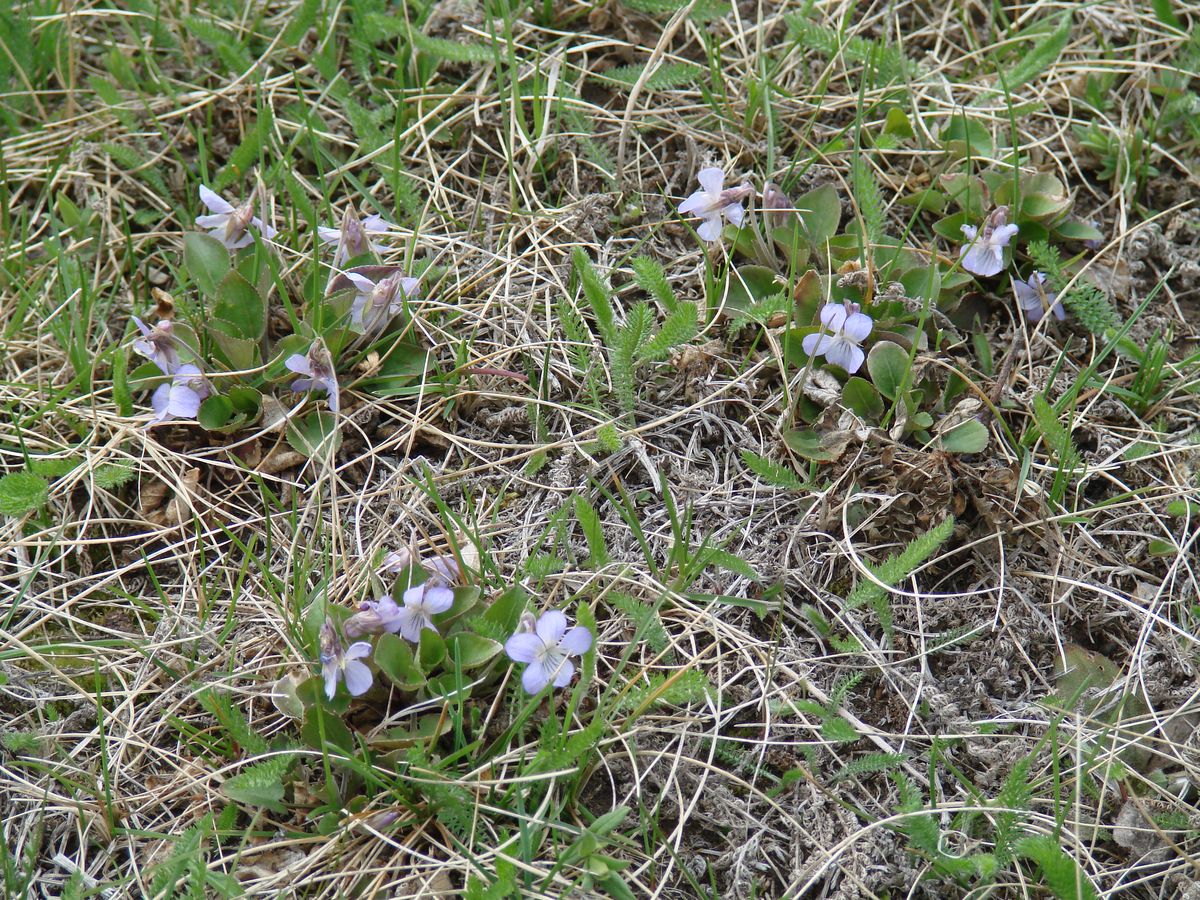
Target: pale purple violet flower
158,344
443,569
353,238
318,366
338,663
547,646
1035,299
714,202
229,224
778,208
396,561
421,603
373,617
378,301
847,329
983,254
179,398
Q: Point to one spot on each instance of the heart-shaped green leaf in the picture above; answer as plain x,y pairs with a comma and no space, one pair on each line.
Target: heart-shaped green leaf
969,437
206,260
860,396
888,364
472,650
241,309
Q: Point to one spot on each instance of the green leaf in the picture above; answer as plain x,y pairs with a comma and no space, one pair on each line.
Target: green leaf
749,286
1063,874
395,659
206,260
651,278
1163,10
836,729
598,295
679,327
772,472
240,311
215,412
505,611
820,211
452,51
1074,230
260,784
236,352
431,649
1044,54
112,475
809,444
964,136
405,363
472,650
593,532
315,435
860,396
888,364
969,437
22,492
665,77
53,466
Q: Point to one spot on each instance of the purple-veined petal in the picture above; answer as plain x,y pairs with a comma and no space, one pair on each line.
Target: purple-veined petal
358,677
409,286
845,354
711,179
734,213
710,228
142,326
302,384
330,386
1057,309
414,596
358,650
358,308
551,627
577,641
564,673
696,203
1027,297
438,599
534,678
857,326
330,672
328,235
524,647
411,622
815,344
970,231
245,240
214,201
980,260
299,364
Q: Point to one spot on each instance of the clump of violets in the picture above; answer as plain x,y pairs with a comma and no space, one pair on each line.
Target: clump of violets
317,367
848,328
1035,300
442,569
714,203
158,344
340,663
229,224
353,238
378,301
179,398
421,603
983,254
547,646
